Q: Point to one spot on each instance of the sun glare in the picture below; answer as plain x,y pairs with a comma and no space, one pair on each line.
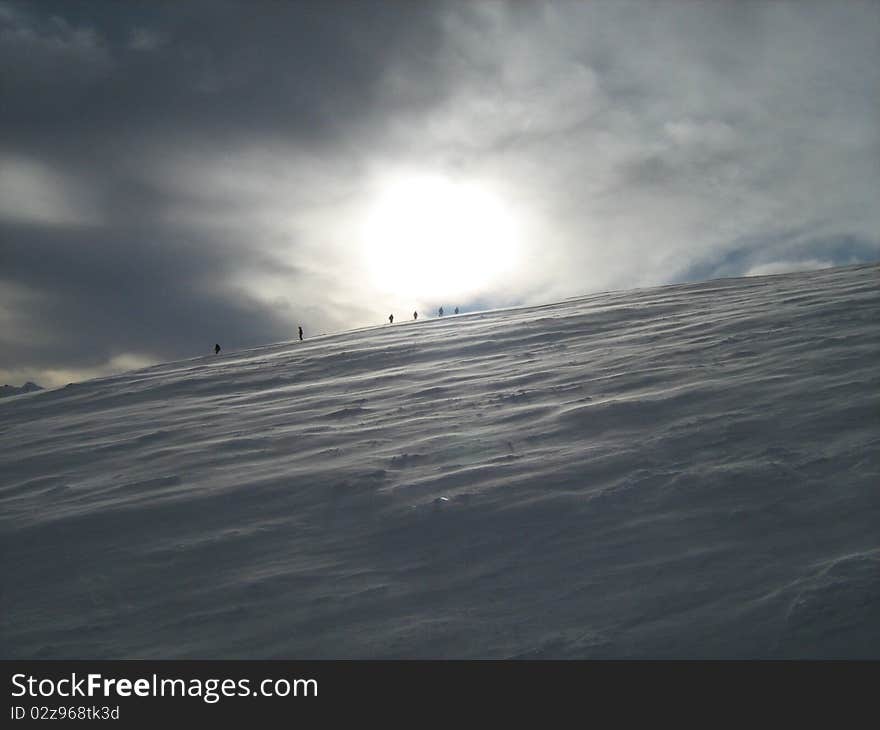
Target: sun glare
432,239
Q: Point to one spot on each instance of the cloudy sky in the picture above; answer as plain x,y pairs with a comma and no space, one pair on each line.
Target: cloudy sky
178,174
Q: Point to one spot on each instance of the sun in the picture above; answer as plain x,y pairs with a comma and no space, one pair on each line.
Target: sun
432,239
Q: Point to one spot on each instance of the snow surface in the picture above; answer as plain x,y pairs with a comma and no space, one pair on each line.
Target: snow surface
685,471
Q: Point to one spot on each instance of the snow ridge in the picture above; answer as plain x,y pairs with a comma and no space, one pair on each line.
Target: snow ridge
683,471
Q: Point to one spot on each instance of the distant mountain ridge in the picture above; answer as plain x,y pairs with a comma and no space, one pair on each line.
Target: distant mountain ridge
28,387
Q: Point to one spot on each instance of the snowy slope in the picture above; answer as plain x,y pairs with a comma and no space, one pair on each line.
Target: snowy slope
686,471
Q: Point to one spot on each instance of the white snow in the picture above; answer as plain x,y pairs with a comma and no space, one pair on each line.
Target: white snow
684,471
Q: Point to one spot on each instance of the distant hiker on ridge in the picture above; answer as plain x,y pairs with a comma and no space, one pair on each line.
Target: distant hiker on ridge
216,349
441,311
456,310
415,315
300,334
391,318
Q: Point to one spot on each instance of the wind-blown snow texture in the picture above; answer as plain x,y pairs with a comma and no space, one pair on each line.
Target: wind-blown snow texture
686,471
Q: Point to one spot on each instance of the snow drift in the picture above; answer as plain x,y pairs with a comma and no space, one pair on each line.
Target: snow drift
685,471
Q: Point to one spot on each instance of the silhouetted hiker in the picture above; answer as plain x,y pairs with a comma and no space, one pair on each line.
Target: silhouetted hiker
415,315
441,311
216,349
456,310
300,334
391,318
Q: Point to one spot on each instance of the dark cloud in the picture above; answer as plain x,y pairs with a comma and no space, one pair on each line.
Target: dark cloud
303,71
168,170
103,294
